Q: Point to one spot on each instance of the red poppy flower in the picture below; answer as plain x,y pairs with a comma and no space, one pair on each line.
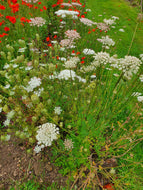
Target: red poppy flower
6,29
47,39
2,7
54,5
44,7
109,186
82,16
82,62
14,1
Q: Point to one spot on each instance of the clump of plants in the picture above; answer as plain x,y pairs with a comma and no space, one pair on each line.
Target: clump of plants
85,105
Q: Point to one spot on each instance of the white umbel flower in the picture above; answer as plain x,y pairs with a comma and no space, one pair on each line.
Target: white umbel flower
37,21
68,144
129,65
141,78
33,83
46,134
58,110
106,41
88,51
71,63
140,98
67,74
101,58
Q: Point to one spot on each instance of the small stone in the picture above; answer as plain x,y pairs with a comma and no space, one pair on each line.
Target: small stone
15,173
49,168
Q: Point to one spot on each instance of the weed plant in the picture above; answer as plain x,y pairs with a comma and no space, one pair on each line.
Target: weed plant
64,86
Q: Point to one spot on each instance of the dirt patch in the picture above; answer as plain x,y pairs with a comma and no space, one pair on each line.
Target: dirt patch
17,165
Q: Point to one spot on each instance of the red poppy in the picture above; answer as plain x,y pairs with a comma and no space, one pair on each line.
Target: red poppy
82,16
82,62
2,7
44,7
109,186
54,5
6,29
47,39
14,1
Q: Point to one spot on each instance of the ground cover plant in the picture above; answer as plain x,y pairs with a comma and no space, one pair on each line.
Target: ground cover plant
71,93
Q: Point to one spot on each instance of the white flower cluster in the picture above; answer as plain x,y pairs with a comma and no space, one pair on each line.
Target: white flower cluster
72,62
57,110
109,21
45,136
141,78
72,34
38,92
106,41
67,74
37,21
64,13
68,144
141,56
129,65
76,4
66,43
87,21
66,4
9,116
103,26
140,98
88,68
33,83
101,58
30,1
88,51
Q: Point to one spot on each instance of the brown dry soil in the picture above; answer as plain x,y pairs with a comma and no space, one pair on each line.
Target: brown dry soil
16,165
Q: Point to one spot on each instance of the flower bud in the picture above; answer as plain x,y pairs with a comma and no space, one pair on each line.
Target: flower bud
3,54
5,109
21,43
37,37
35,99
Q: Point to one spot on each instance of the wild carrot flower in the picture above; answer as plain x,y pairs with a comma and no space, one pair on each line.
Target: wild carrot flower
88,51
72,34
101,58
46,134
68,144
72,62
66,42
37,21
87,22
57,110
30,1
103,26
106,41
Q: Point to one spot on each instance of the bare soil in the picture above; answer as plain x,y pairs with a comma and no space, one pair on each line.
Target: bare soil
16,165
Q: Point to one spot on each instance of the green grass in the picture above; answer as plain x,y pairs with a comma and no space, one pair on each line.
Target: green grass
127,20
